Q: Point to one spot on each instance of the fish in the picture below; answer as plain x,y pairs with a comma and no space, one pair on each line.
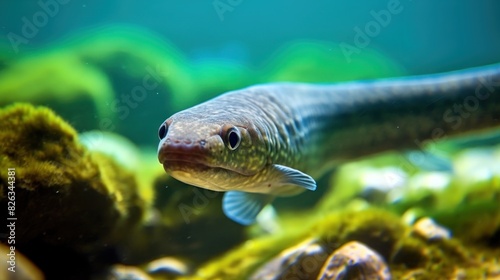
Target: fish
274,139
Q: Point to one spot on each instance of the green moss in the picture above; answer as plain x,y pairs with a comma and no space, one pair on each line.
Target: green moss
378,229
435,260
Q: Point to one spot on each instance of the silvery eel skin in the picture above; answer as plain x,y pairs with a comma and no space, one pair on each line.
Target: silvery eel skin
273,139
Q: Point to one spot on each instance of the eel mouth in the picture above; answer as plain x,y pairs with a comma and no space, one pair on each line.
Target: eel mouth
182,161
176,156
175,152
191,169
175,162
173,157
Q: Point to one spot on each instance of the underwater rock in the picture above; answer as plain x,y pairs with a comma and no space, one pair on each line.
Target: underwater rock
302,261
354,260
310,260
18,268
430,230
66,196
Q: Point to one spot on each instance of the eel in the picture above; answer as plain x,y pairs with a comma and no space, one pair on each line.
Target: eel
273,139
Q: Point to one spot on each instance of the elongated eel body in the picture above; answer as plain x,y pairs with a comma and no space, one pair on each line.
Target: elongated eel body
273,139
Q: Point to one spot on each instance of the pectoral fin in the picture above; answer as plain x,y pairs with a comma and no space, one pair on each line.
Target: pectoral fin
243,207
290,176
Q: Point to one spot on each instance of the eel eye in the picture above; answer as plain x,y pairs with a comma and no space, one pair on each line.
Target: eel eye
162,131
233,138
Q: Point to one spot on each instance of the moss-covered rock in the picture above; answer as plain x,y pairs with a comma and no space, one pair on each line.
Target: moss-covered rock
60,187
66,196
